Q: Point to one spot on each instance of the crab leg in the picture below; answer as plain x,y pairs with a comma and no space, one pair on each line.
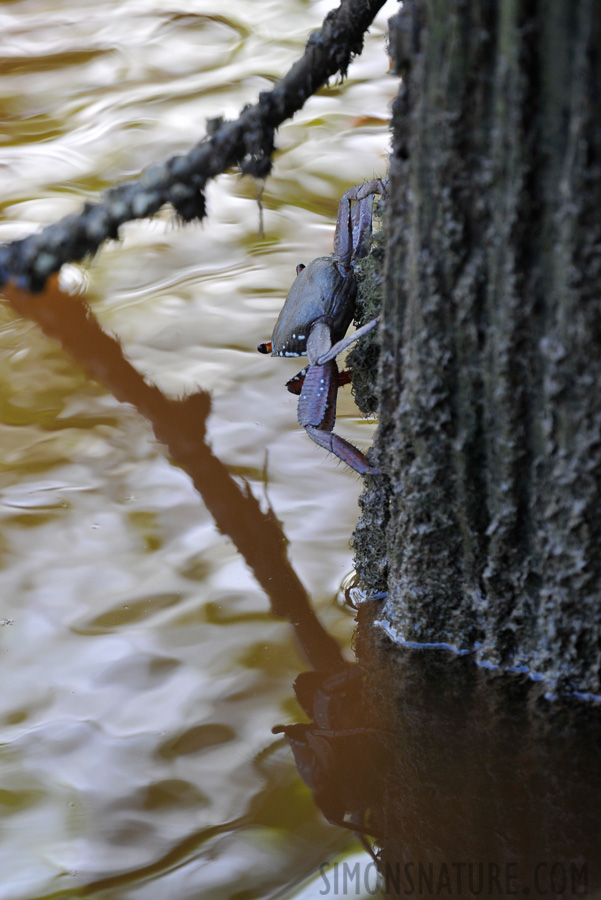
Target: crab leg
339,346
317,415
343,449
353,229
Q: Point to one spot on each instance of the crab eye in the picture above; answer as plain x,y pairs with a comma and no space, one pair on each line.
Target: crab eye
300,268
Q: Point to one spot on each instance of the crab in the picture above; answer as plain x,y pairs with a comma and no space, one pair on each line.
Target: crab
314,320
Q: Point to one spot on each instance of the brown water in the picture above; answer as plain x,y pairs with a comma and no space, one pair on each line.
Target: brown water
142,665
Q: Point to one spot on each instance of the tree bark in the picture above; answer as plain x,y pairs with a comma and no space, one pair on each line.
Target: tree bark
490,372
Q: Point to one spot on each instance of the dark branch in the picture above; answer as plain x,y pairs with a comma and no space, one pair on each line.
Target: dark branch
247,142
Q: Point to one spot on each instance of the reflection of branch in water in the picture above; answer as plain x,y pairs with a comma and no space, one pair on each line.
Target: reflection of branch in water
336,753
181,425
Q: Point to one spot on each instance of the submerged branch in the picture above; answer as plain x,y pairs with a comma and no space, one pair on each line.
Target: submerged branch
247,142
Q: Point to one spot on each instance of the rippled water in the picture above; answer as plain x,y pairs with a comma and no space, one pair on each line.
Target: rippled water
142,665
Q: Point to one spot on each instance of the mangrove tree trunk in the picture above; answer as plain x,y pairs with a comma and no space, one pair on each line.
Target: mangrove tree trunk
490,373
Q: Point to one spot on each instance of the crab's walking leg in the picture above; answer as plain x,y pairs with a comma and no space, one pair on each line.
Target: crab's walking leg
343,449
317,415
353,228
339,346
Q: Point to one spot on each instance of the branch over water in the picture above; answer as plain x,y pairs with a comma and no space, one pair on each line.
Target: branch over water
247,142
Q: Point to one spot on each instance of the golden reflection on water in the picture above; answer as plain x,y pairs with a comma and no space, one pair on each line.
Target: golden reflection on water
145,659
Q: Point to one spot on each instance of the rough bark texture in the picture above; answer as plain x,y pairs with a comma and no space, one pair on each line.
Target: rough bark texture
490,419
